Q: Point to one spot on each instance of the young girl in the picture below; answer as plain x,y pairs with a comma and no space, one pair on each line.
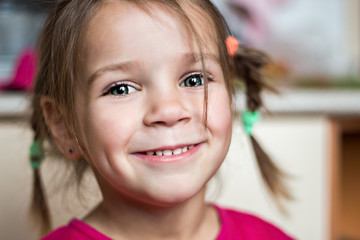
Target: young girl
141,91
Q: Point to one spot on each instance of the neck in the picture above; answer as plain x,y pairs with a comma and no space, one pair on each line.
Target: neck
122,219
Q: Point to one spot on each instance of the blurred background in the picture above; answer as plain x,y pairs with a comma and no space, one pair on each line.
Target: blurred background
312,132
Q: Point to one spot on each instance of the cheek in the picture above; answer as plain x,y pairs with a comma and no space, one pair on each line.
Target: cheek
106,127
220,113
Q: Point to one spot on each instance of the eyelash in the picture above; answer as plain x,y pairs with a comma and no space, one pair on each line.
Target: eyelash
133,88
113,87
196,74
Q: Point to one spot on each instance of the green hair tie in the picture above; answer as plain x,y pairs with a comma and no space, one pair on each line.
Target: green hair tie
249,119
36,154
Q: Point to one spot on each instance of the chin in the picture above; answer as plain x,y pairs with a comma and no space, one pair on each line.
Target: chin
174,195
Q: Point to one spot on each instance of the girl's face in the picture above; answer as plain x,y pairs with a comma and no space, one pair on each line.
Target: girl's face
141,112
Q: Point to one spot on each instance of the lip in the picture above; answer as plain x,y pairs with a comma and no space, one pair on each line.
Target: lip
171,158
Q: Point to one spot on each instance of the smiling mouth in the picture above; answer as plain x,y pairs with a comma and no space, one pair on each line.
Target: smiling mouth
168,152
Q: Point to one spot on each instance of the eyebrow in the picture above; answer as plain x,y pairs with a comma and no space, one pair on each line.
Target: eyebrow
188,58
124,66
192,58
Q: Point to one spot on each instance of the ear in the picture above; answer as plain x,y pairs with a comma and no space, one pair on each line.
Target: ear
54,118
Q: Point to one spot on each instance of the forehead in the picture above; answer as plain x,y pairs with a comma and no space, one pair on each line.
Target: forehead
190,21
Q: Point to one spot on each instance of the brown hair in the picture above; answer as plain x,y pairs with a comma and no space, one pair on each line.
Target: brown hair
248,63
59,58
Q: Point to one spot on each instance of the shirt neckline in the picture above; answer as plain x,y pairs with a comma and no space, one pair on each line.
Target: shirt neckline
92,232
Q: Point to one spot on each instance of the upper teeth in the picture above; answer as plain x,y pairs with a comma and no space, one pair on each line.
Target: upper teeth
170,152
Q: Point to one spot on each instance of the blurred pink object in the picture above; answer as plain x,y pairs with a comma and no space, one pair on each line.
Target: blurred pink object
24,71
258,13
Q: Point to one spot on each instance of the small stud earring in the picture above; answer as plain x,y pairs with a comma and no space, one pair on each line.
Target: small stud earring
71,150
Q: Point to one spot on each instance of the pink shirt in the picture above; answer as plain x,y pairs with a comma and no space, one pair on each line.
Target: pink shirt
234,226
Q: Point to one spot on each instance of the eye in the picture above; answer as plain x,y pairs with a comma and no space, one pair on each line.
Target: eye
120,89
193,80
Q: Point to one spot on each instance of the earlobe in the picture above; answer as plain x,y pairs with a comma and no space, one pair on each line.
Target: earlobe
74,153
55,121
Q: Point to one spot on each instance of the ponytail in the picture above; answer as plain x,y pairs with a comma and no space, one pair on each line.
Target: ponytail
39,207
247,65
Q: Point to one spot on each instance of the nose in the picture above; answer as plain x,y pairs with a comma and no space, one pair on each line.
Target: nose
166,110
